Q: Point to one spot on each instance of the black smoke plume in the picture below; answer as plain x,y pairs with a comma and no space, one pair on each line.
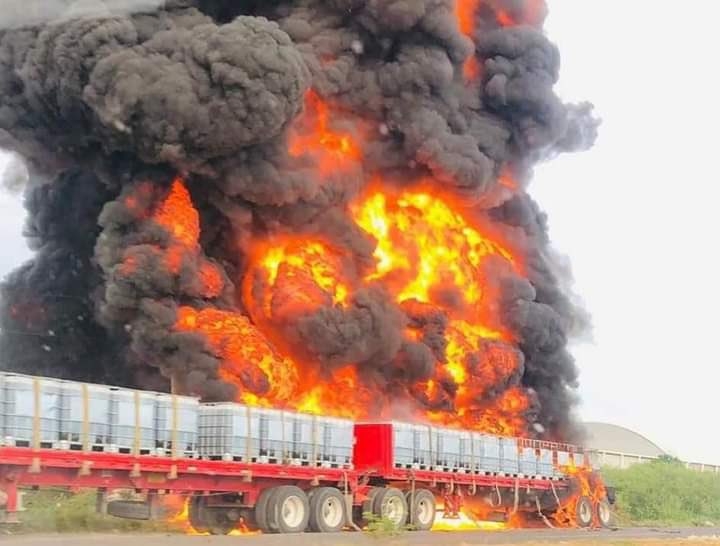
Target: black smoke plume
108,102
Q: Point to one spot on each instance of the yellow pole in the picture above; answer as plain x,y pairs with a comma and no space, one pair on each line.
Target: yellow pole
136,440
174,426
36,414
86,418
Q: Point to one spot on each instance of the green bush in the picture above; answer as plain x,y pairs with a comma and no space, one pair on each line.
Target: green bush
665,492
61,511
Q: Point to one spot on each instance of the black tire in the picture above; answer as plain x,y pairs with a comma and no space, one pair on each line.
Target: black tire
262,509
604,514
584,512
327,510
422,511
196,517
218,522
368,506
390,504
129,509
288,510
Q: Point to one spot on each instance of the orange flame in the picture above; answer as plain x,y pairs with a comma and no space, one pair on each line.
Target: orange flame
465,11
588,483
466,522
181,520
264,377
426,252
313,134
177,215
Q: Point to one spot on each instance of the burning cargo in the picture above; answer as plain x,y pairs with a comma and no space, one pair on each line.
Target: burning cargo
299,204
320,205
283,471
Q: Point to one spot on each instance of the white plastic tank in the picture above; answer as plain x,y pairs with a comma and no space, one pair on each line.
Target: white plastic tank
335,437
176,425
490,449
224,431
21,396
529,461
509,456
414,445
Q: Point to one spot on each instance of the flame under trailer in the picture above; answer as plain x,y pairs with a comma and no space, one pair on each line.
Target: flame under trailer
278,471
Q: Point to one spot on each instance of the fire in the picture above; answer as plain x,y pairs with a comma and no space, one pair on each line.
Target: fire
447,248
430,255
181,520
179,218
465,11
588,484
249,361
297,258
313,134
426,253
466,523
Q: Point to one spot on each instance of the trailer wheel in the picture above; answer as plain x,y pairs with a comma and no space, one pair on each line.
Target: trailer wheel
196,515
422,512
584,512
262,508
604,513
368,506
390,504
327,510
218,522
288,510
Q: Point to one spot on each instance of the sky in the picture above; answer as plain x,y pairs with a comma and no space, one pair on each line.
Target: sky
634,215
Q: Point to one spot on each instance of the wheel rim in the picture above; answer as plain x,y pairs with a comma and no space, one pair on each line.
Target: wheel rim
332,512
604,512
292,511
585,512
424,512
393,510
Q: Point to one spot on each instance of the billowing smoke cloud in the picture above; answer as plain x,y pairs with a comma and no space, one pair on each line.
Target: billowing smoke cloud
115,100
17,13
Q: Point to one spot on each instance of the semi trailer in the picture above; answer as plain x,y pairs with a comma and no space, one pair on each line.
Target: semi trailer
275,470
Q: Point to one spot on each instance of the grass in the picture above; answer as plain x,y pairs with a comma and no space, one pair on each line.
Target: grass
50,511
664,493
380,527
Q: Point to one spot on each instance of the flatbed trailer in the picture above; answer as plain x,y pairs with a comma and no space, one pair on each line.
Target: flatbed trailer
278,497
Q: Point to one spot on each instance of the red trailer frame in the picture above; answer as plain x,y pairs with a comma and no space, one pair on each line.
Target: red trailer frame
26,467
236,485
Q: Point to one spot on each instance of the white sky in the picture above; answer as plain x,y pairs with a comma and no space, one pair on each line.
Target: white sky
635,214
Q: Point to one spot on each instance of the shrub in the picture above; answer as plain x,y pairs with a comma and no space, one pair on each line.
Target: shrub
62,511
665,492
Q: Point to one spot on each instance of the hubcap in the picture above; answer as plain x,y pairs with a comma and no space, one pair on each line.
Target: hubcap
604,512
393,510
424,512
332,512
585,512
292,511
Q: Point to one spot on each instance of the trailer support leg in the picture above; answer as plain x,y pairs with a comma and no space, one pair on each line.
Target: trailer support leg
10,495
101,501
452,505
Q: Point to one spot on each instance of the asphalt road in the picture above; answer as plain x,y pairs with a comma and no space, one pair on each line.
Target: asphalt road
537,536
